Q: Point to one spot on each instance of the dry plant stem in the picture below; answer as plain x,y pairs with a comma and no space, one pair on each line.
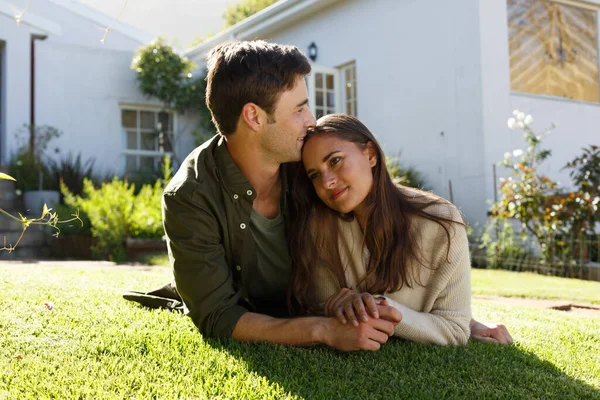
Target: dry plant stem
51,221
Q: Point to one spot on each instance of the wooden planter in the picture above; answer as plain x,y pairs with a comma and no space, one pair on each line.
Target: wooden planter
73,246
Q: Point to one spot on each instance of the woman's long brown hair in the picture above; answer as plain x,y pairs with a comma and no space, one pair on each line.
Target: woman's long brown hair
313,237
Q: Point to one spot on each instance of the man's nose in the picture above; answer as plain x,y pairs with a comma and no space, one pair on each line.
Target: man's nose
311,121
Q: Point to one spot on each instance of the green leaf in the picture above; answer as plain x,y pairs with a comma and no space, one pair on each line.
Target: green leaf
7,177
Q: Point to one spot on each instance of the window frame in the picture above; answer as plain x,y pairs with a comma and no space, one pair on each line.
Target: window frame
139,153
319,69
593,5
342,68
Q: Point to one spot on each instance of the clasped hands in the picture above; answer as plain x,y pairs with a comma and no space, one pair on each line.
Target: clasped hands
372,321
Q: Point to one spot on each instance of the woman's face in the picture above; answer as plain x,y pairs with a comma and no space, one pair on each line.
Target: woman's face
340,171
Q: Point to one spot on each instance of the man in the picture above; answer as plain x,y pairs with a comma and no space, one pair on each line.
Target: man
225,211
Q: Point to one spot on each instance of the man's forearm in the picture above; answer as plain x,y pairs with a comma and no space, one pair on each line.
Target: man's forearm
306,331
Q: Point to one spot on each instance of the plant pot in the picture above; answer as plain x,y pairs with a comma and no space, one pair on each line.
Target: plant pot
35,199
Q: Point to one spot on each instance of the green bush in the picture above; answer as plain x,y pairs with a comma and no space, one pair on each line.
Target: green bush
505,249
146,221
405,176
110,209
30,166
116,212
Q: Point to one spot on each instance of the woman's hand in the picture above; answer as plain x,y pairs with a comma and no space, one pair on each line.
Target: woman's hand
350,305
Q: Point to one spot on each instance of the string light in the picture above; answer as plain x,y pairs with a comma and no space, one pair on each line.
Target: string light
106,30
19,16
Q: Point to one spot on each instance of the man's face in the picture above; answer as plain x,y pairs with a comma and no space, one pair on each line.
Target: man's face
283,139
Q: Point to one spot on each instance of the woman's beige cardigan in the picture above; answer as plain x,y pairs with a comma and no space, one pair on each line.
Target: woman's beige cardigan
439,310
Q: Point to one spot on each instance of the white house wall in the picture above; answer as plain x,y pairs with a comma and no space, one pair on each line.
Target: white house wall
78,91
578,123
15,81
80,85
81,92
418,76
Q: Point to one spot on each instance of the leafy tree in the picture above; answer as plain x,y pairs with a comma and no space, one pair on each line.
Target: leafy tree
168,76
242,10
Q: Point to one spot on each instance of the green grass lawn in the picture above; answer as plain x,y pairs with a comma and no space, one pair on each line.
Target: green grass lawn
525,284
96,345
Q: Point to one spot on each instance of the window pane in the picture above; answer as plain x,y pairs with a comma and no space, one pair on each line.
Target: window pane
146,164
329,81
167,143
165,120
319,112
128,118
318,80
319,98
130,163
331,99
148,142
349,90
132,140
348,73
147,119
553,49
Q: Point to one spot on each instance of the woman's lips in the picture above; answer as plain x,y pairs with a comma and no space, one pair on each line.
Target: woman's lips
338,193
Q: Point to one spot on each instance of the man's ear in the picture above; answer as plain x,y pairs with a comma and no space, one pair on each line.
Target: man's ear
251,115
372,154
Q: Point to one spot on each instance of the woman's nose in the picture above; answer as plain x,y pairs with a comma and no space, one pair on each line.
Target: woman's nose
329,181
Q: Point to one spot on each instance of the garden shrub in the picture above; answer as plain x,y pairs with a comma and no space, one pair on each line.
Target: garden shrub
116,212
110,209
562,224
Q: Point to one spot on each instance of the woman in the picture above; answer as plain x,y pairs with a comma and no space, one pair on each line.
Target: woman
359,240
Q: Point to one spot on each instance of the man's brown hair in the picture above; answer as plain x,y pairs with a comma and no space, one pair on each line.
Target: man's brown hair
249,72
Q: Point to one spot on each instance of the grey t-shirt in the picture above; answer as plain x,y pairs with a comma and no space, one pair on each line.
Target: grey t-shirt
271,278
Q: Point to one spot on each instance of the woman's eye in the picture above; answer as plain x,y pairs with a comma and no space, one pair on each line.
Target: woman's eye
312,177
335,160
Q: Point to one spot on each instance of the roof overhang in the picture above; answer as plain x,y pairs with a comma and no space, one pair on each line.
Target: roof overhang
104,20
276,16
39,25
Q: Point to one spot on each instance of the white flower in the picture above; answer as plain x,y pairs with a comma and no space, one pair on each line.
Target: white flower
511,123
18,192
517,153
516,112
507,155
520,124
521,116
528,120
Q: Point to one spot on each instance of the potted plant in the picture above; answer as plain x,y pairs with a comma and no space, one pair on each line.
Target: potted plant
32,168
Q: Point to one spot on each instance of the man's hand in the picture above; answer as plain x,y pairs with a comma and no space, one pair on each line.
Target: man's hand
490,333
369,335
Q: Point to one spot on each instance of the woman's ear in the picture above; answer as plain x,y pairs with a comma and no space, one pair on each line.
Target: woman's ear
372,154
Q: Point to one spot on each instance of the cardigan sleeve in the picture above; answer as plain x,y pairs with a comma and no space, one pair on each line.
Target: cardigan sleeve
448,315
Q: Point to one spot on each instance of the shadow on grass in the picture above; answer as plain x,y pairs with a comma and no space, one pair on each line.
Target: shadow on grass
408,370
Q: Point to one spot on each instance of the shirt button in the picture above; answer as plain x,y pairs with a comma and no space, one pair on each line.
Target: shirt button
249,192
235,196
238,267
243,226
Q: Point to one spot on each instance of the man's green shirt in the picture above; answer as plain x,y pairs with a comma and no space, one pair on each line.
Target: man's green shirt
206,215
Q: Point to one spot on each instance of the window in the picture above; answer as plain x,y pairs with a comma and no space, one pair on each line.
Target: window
324,94
348,73
553,48
148,137
332,90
